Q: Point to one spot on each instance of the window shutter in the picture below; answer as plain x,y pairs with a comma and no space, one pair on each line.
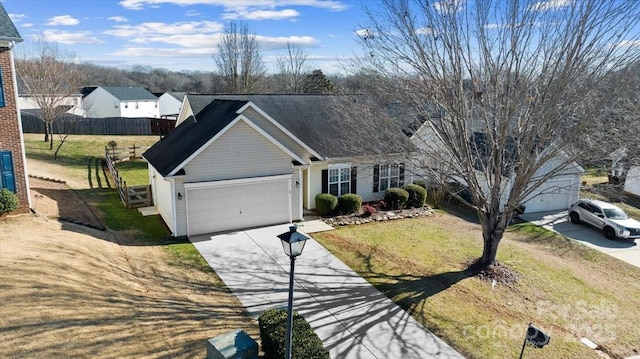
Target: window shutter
376,178
1,90
7,179
354,179
401,177
325,181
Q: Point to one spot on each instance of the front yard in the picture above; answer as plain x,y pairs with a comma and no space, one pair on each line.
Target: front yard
135,294
564,288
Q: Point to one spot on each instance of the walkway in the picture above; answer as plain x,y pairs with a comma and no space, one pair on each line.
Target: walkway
353,319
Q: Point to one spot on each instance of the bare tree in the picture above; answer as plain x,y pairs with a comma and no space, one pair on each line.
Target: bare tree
50,77
504,88
239,59
293,66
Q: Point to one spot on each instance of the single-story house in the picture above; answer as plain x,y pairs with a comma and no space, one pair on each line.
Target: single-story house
119,101
13,163
558,192
238,161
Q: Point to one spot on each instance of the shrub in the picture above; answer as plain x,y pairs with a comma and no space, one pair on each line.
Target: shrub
8,201
305,342
417,195
326,204
349,203
421,183
368,210
396,198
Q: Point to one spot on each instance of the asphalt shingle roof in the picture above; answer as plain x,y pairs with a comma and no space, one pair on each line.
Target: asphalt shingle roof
333,126
8,31
167,154
130,93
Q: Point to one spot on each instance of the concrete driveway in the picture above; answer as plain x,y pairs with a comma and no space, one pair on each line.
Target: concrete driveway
353,319
625,250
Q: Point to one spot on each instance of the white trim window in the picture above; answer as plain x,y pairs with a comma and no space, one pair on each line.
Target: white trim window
387,176
340,179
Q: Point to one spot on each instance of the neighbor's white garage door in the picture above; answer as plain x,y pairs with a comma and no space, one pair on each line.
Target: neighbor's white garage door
229,205
555,194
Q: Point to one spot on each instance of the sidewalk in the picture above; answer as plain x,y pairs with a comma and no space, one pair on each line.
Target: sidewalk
353,319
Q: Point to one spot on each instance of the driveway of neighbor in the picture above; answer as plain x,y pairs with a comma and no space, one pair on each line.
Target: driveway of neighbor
625,250
353,319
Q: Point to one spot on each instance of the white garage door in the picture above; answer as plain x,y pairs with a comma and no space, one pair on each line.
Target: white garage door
555,194
230,205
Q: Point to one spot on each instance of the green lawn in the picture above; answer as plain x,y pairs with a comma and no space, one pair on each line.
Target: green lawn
564,288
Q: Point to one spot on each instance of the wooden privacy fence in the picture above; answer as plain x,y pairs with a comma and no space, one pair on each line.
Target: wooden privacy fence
76,125
131,196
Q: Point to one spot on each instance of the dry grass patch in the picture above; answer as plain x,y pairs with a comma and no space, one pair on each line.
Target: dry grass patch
565,288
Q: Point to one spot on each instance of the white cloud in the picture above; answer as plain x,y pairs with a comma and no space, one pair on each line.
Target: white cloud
628,44
164,52
27,24
550,5
64,20
425,31
448,5
161,28
118,19
187,41
192,13
243,14
271,43
334,5
17,17
365,34
71,38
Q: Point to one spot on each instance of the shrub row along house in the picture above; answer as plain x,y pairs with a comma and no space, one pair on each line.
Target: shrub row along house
13,174
238,161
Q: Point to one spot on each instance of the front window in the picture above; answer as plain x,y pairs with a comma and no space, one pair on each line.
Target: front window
389,176
339,180
615,213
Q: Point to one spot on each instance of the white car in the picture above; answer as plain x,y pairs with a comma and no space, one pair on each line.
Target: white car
612,220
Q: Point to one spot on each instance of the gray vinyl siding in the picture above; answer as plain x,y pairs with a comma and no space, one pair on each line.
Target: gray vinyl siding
163,197
241,152
276,133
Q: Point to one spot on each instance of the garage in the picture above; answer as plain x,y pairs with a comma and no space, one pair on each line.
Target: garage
235,204
554,194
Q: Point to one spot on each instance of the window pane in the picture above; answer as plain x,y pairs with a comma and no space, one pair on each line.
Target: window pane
333,175
384,171
333,189
384,183
345,174
394,181
395,171
344,188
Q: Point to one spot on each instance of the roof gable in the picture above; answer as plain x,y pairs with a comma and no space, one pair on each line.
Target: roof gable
129,93
8,31
193,135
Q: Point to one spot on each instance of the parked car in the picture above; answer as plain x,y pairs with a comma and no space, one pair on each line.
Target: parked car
612,220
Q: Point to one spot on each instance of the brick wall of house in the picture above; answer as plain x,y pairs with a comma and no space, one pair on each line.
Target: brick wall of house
10,130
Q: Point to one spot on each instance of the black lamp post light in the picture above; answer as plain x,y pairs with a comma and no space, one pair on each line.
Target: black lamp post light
293,243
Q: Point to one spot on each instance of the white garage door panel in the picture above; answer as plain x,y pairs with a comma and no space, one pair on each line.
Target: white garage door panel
238,206
553,195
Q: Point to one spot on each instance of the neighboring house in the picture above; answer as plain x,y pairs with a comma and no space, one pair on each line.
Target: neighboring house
13,167
170,104
114,101
72,104
238,161
558,192
632,182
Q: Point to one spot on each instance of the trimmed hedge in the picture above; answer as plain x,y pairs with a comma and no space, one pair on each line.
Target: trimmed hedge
417,195
305,342
396,198
8,201
349,203
326,204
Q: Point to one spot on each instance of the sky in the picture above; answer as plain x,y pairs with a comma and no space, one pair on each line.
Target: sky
182,34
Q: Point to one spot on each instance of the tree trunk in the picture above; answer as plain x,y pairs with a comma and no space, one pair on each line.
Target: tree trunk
46,132
50,136
493,228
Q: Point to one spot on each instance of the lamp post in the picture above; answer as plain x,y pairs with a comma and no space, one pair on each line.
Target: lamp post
293,244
